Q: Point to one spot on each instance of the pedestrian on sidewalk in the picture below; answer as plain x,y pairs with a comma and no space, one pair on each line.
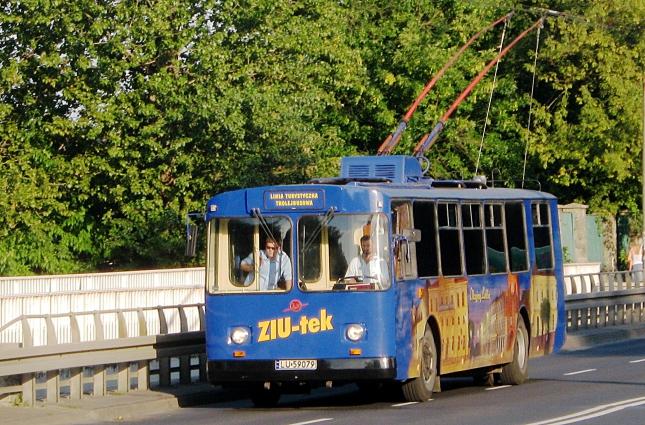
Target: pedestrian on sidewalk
635,259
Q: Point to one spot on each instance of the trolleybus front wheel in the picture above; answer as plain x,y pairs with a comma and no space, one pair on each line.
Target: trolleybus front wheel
420,388
517,371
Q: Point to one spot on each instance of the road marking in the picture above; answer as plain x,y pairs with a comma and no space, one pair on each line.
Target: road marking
314,421
579,372
407,404
594,412
637,361
497,388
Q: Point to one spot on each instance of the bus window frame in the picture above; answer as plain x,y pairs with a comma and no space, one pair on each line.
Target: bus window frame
211,281
435,225
325,252
549,226
403,270
222,276
527,259
481,228
457,227
502,227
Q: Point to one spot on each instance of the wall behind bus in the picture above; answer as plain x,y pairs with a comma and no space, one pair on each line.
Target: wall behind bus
588,241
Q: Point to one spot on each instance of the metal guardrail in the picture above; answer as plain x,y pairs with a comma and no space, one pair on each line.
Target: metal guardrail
603,299
65,366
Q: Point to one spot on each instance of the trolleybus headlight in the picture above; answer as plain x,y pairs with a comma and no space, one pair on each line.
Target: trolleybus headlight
354,332
240,335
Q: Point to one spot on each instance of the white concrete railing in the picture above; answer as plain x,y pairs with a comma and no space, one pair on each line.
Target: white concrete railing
592,282
58,295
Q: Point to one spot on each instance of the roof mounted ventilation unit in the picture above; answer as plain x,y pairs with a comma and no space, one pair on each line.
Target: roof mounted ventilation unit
395,168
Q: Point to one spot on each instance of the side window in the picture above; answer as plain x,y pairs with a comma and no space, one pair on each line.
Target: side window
425,220
405,261
516,236
473,233
542,236
449,241
495,244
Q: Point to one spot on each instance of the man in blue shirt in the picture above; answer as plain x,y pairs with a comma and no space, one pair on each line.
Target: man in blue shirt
274,266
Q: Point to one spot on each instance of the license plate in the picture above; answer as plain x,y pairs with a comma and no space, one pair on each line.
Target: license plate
296,364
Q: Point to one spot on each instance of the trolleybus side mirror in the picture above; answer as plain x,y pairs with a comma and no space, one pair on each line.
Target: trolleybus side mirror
191,240
412,235
191,234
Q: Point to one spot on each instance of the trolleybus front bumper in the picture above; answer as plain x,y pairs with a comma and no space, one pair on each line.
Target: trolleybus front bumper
223,371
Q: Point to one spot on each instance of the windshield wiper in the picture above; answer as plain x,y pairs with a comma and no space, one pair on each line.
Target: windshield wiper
325,221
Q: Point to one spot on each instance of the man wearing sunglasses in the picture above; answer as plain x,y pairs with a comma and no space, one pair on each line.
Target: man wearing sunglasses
275,268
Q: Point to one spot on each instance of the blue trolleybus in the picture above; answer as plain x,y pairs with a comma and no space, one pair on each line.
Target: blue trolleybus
380,276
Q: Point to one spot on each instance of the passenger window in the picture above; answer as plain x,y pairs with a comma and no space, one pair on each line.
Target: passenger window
495,244
516,236
425,221
542,236
473,233
449,241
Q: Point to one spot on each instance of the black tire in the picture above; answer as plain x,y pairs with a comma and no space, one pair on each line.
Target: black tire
420,388
261,397
517,371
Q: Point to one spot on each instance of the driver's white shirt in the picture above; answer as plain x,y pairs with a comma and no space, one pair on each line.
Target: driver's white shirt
374,268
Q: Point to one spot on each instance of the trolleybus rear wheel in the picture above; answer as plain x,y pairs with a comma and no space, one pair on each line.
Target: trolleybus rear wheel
517,371
420,388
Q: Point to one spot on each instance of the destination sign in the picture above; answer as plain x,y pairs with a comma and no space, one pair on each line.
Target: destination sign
294,200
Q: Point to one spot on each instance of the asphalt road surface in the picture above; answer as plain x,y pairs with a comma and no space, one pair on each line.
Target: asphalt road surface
600,385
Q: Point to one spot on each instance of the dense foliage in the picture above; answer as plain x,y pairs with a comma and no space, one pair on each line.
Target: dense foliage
117,118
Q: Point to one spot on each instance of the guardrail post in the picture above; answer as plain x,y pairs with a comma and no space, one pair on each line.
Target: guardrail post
164,362
143,375
28,389
121,325
123,377
575,317
76,383
574,285
601,281
27,340
602,316
593,317
51,331
184,361
620,282
143,326
53,386
203,376
98,380
588,282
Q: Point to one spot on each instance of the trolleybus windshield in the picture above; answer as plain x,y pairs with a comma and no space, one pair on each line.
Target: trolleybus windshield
343,252
249,254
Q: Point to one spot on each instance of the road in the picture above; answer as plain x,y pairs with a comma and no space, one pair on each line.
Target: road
600,385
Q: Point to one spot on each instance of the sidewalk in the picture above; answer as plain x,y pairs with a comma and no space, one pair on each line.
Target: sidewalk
140,404
586,338
115,407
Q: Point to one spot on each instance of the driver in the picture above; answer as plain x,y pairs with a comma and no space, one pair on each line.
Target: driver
367,266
